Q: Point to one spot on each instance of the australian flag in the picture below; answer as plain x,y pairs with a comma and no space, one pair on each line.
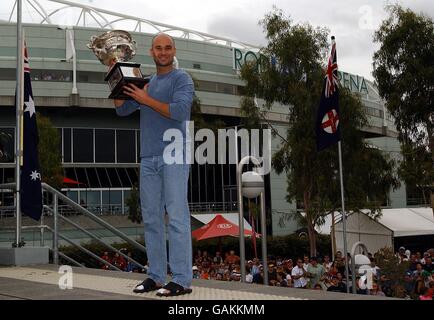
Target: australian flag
327,121
31,190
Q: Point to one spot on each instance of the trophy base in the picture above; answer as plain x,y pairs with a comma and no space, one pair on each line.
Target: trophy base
118,91
122,74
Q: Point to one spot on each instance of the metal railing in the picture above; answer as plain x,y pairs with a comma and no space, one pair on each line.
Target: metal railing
53,210
116,210
213,207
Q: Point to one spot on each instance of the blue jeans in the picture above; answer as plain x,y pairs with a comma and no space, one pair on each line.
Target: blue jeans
166,185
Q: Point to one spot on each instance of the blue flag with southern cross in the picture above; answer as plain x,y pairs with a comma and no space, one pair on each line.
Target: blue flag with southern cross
31,190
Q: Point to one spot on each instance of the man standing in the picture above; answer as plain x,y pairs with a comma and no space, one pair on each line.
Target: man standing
165,103
298,274
315,272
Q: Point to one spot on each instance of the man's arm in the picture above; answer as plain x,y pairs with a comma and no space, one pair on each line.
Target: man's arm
125,107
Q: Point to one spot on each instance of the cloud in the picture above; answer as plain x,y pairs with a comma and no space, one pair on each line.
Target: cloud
353,23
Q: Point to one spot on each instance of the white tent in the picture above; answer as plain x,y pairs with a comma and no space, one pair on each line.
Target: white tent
377,234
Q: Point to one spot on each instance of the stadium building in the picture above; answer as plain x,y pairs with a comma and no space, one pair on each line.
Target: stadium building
101,150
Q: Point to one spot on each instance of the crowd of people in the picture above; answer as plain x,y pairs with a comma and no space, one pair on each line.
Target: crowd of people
315,273
117,260
324,273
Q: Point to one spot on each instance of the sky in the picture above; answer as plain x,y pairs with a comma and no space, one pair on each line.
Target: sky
353,23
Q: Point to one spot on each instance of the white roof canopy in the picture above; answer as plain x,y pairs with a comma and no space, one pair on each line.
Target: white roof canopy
402,221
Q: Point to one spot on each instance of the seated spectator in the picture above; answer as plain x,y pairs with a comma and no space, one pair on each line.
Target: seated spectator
413,262
131,266
204,274
232,258
339,262
418,272
255,266
212,274
327,264
259,277
337,286
196,272
376,290
288,265
288,280
119,262
425,255
375,268
409,284
401,255
281,280
227,275
206,258
218,259
428,265
305,261
106,257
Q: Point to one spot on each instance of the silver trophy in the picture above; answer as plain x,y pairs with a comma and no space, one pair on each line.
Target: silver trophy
117,46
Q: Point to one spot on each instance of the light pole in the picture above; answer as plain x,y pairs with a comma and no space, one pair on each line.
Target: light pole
251,185
362,260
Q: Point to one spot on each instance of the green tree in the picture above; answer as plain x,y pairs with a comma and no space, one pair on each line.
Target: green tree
404,71
50,158
391,269
133,203
293,77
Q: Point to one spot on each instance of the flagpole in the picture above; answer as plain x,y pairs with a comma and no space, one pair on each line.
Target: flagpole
18,99
344,222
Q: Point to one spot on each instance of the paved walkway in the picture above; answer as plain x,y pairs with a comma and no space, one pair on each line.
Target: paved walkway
44,283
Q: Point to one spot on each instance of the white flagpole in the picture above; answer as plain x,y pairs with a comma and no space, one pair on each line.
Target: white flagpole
19,111
344,219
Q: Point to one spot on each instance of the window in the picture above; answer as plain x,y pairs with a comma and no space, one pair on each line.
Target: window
104,146
50,75
126,146
83,145
82,177
93,178
114,178
138,146
123,175
8,74
115,197
7,145
103,177
66,145
73,195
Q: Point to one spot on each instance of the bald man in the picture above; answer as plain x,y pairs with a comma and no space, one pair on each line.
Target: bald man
164,104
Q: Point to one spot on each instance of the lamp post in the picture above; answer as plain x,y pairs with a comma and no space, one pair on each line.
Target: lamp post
361,260
251,185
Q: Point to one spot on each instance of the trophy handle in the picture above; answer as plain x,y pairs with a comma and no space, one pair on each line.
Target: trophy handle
90,44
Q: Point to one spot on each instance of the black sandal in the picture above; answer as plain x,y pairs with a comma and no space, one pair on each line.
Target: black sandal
173,289
146,286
